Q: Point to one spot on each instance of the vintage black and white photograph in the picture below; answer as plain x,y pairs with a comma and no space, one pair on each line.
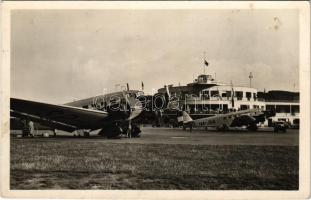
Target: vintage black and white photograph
155,99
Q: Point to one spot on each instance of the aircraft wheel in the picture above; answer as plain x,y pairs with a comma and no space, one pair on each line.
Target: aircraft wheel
86,133
225,127
54,132
113,132
25,134
135,131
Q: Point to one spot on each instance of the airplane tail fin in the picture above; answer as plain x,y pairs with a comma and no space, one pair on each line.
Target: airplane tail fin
186,118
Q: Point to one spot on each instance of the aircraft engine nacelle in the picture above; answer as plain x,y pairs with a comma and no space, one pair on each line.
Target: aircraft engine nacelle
160,101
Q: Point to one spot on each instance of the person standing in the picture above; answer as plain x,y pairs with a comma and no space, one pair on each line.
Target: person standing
190,125
31,128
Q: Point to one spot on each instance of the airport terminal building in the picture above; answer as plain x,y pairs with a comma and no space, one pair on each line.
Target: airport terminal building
205,97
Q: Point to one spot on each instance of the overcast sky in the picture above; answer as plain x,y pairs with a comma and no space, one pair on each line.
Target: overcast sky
58,56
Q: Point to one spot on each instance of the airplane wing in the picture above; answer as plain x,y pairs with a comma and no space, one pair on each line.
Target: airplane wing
67,116
45,122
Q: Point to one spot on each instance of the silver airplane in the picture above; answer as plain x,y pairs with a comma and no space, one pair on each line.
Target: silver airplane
114,114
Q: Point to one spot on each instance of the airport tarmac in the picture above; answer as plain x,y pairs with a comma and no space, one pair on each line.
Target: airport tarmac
196,137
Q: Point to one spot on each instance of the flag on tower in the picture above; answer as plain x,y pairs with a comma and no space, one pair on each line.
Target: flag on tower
205,62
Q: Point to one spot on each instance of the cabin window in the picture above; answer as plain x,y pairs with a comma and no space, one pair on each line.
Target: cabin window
228,94
206,92
248,96
282,108
214,106
214,93
244,107
270,107
224,95
225,107
296,121
239,95
255,96
295,109
86,106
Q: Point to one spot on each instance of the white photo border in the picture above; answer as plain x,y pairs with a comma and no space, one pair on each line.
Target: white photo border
304,78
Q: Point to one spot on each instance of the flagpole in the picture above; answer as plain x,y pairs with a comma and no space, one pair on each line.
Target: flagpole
204,61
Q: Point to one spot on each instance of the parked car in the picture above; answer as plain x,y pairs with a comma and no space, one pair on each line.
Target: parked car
280,126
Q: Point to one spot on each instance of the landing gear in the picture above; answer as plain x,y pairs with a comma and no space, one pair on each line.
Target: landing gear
135,132
86,133
115,131
25,133
28,129
111,132
132,131
129,130
224,127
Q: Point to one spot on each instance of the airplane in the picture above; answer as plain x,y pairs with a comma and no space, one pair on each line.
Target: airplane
113,114
222,122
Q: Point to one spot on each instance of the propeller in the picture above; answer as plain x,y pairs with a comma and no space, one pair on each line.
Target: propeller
128,105
134,110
